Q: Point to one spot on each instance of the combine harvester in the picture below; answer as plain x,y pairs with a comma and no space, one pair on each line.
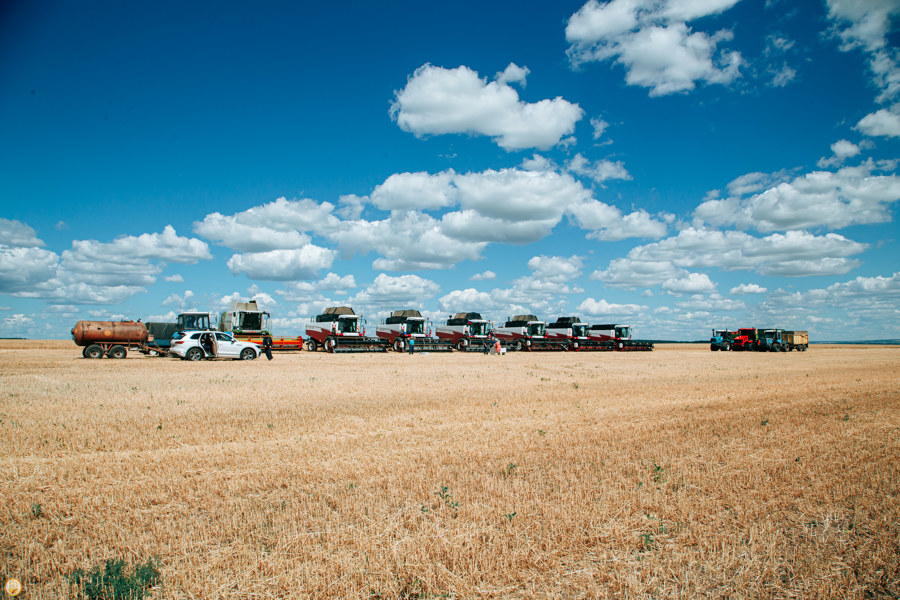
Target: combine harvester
526,332
575,334
620,335
404,325
338,329
465,331
247,322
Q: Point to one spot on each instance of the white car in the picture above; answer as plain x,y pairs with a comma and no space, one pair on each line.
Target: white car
196,345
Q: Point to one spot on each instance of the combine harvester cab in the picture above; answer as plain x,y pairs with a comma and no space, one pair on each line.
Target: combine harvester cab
620,336
247,322
465,331
405,324
339,329
721,339
526,332
575,333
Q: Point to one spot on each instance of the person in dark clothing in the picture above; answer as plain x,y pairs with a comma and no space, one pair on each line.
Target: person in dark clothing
488,342
267,346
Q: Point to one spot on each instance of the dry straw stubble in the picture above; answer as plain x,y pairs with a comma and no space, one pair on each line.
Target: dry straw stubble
677,473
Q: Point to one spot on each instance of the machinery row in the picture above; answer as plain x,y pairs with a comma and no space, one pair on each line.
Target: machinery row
759,340
339,329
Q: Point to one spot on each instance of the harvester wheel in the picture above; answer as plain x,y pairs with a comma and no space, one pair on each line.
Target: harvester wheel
462,344
311,345
330,344
398,344
194,354
117,352
93,351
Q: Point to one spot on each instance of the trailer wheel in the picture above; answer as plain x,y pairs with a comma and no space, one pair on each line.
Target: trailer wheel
330,344
93,351
248,354
118,352
311,345
398,344
462,344
194,354
84,351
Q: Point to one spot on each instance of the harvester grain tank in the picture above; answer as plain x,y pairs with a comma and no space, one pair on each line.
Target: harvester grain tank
796,340
339,329
466,331
247,322
404,325
721,339
620,335
575,334
527,332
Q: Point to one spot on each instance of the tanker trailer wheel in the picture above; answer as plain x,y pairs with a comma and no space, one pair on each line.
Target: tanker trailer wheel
117,352
462,344
311,345
248,354
194,354
84,351
398,344
330,344
93,351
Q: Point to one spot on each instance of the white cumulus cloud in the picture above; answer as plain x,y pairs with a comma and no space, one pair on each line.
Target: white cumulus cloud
652,40
282,265
444,101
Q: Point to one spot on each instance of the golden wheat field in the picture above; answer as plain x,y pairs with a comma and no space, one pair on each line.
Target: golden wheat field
679,473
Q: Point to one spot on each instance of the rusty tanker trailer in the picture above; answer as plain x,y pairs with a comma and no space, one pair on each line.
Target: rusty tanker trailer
111,338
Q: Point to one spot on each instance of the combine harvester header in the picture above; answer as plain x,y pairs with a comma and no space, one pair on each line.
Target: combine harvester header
526,332
620,335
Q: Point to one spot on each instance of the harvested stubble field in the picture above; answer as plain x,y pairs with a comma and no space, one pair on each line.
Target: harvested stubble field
672,474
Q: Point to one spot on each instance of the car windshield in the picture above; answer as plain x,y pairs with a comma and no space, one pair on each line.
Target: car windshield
178,335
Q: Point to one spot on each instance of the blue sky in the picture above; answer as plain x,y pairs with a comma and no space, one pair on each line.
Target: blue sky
673,165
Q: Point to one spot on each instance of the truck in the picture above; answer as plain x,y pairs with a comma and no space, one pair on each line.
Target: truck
721,339
745,339
466,331
339,329
527,332
575,333
248,322
404,325
796,340
113,339
620,335
772,340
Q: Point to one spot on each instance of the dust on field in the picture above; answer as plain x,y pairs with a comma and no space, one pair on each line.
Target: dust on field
671,474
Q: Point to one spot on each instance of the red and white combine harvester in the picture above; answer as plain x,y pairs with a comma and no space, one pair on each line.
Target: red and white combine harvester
620,335
526,332
339,329
466,331
405,325
575,333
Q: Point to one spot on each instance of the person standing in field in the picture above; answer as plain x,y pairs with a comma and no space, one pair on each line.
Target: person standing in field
412,344
267,345
497,346
487,342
